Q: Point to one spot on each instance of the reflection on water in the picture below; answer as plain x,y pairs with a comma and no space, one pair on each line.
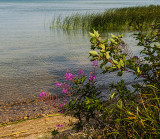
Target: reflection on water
27,71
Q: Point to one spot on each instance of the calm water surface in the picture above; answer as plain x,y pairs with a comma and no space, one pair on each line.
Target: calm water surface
32,57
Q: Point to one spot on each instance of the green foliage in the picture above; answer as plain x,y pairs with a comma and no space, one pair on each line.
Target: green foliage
126,114
55,132
86,105
134,114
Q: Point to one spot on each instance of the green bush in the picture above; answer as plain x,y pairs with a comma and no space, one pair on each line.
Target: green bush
126,114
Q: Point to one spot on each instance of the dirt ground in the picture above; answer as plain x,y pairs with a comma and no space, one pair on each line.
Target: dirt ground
39,128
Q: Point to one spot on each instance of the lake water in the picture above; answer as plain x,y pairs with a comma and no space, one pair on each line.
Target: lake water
33,57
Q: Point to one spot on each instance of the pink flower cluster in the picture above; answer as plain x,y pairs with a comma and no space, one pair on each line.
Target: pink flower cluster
64,86
61,105
58,84
73,77
42,95
70,76
95,63
81,73
59,126
64,91
92,77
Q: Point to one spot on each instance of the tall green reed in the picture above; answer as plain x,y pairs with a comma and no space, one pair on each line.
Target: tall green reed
112,19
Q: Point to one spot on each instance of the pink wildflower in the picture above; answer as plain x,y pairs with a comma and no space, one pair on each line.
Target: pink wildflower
64,91
59,126
64,103
95,63
60,105
70,76
92,77
65,85
43,94
58,84
65,99
81,72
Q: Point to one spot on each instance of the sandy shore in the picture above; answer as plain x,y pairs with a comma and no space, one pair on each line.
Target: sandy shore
36,128
24,110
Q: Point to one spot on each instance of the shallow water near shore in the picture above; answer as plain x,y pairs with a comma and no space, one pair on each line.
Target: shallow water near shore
33,57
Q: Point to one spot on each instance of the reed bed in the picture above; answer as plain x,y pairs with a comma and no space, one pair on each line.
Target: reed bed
110,20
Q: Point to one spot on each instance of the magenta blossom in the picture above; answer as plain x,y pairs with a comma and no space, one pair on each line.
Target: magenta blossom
64,103
65,99
61,105
81,72
58,84
92,77
65,85
64,91
70,76
95,63
43,94
59,126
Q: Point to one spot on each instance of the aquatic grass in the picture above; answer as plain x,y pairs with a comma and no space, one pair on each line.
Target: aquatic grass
110,20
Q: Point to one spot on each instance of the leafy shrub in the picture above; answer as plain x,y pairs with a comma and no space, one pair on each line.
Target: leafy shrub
126,114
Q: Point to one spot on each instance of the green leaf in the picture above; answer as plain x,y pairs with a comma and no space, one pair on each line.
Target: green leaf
115,62
113,36
144,52
55,132
96,33
107,68
120,36
93,53
91,34
87,101
124,58
113,41
103,63
102,46
107,55
121,63
112,95
114,67
102,51
138,70
120,73
118,120
83,79
94,58
93,47
119,104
